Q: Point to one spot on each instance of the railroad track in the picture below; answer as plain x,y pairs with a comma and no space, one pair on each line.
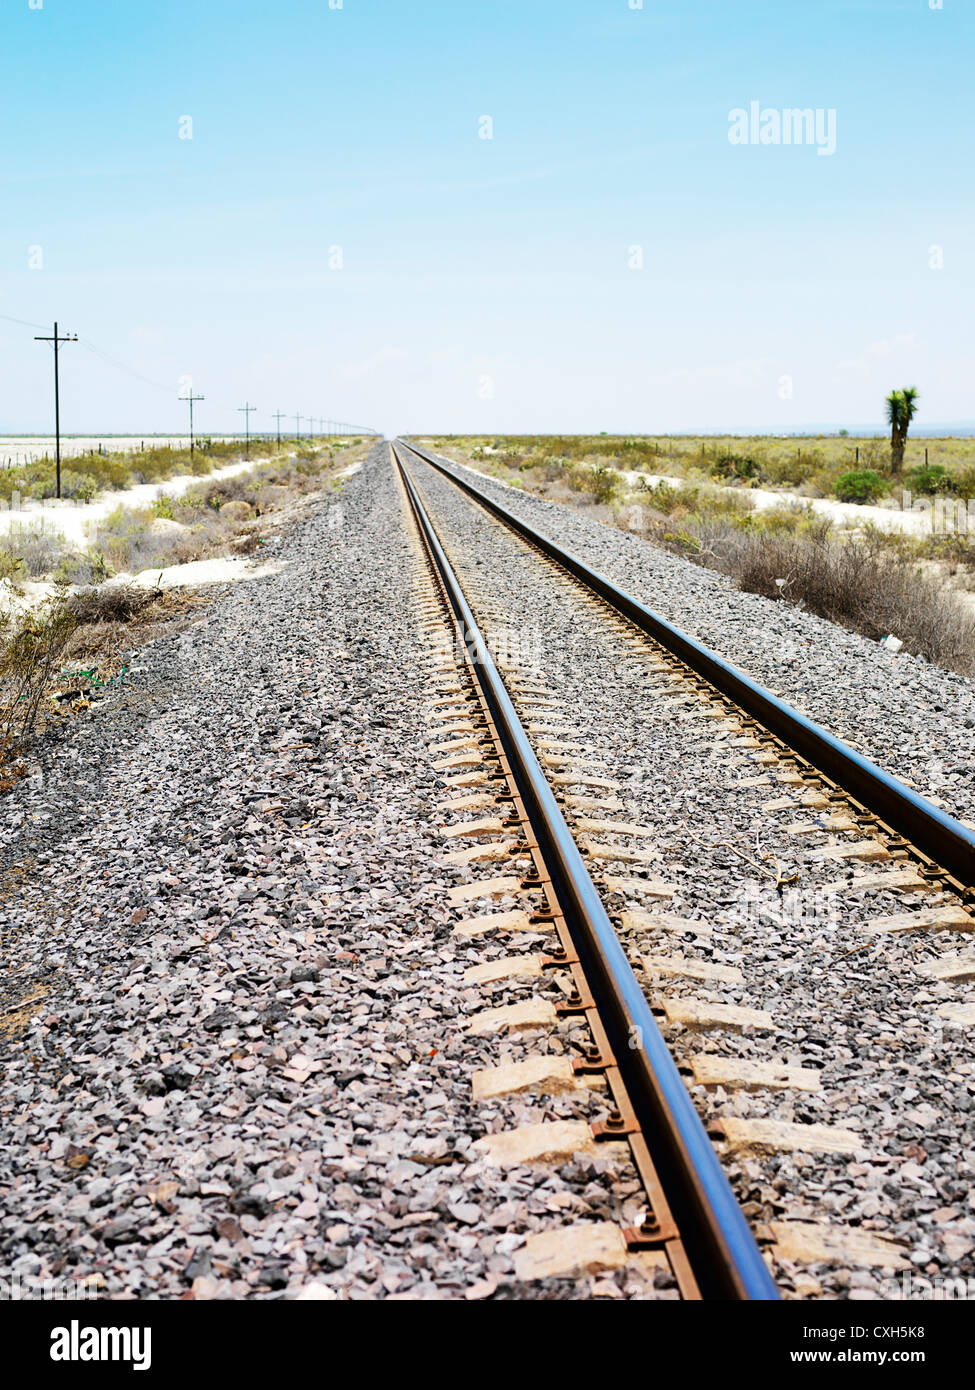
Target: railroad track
531,796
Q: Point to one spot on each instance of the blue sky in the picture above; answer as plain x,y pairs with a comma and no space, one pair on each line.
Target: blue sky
485,284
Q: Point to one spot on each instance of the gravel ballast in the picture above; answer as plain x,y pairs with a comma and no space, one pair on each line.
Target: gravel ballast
913,719
232,1019
854,1008
232,1035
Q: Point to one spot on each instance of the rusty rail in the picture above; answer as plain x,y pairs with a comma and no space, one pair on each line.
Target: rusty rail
653,1108
945,847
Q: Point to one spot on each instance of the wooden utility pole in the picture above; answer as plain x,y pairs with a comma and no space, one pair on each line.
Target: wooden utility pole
245,410
278,415
191,398
57,340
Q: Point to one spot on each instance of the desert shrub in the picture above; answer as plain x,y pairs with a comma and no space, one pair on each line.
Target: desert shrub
309,467
862,586
79,487
606,486
955,548
784,472
874,453
872,584
89,568
735,466
931,480
11,567
127,543
785,520
721,502
31,650
807,460
860,485
648,449
237,489
112,603
602,485
965,482
669,498
39,548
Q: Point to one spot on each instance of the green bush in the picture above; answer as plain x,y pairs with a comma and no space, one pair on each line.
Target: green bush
605,485
930,480
11,567
81,487
779,521
861,485
965,482
735,466
789,470
668,498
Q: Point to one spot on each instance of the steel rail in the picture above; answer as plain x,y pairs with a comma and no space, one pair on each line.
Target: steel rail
938,836
725,1257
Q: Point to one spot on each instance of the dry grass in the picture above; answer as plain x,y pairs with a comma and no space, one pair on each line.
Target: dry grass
31,652
40,654
119,603
83,476
812,465
860,582
872,583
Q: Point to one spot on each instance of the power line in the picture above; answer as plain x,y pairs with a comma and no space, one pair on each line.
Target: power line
23,322
121,367
330,426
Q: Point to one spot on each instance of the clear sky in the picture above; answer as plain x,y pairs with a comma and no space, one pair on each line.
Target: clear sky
486,284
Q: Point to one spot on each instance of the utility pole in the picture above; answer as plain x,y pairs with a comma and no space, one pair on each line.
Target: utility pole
297,427
245,410
277,415
57,340
191,398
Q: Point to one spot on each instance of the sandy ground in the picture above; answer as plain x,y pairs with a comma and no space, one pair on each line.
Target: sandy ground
72,518
197,574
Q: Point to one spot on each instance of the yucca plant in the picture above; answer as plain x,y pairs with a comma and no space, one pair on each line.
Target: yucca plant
901,409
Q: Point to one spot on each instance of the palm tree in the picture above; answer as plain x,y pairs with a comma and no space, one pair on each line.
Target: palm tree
901,409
